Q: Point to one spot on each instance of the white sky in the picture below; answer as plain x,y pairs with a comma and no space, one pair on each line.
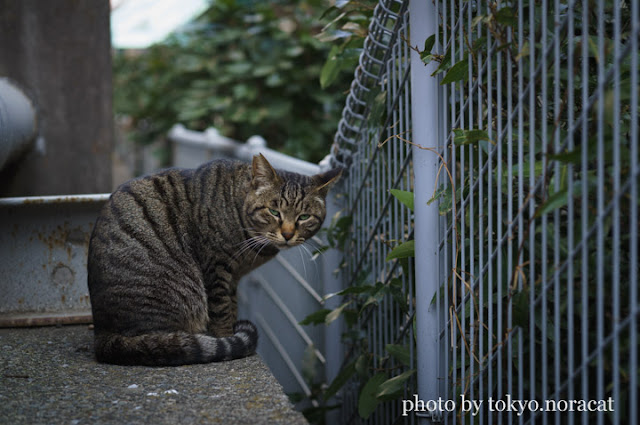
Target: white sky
136,24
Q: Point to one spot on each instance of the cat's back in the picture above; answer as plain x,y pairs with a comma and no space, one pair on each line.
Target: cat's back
145,220
160,215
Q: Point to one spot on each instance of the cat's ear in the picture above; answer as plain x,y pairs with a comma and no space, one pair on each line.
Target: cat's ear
325,180
263,173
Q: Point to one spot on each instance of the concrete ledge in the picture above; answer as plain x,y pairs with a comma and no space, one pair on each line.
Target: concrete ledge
48,375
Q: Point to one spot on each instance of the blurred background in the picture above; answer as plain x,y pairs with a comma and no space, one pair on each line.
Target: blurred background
108,80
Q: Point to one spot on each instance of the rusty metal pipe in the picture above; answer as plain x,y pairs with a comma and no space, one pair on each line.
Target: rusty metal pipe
18,122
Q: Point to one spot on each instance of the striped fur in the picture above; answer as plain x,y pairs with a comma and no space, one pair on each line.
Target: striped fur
168,249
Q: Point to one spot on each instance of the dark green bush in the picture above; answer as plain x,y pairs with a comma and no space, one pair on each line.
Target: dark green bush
245,67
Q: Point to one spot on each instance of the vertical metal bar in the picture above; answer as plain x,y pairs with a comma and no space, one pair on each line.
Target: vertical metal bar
472,324
451,161
570,228
615,278
459,170
544,223
584,211
499,210
600,208
425,119
634,167
445,263
633,218
520,260
532,224
557,111
509,220
481,231
490,238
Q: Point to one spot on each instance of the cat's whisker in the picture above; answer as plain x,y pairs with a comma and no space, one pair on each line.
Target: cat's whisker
316,250
307,251
265,243
312,255
248,244
304,265
245,244
315,243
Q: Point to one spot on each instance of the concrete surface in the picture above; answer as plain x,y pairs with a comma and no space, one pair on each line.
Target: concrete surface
48,375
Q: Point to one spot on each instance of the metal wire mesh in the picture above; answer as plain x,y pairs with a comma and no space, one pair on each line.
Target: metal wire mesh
377,108
542,301
538,233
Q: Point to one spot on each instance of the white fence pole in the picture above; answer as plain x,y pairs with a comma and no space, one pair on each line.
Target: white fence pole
425,110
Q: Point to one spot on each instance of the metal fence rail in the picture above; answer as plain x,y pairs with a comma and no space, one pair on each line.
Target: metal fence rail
536,147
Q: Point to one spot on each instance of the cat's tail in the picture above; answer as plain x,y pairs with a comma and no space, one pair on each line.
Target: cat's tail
176,348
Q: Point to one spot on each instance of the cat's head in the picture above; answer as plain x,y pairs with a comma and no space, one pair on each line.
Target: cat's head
286,208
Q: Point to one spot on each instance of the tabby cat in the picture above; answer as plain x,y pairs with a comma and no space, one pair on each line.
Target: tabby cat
168,249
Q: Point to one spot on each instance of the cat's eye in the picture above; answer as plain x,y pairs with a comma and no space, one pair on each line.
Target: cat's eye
303,217
275,213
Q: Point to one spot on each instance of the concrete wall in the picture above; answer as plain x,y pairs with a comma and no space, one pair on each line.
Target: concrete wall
58,52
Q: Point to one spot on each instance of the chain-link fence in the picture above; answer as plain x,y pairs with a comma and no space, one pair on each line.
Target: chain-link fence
515,125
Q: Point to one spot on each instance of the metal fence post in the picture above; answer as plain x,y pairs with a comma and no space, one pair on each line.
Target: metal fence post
424,91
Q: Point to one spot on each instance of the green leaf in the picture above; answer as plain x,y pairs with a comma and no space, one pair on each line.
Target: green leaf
376,296
361,289
404,250
329,11
362,365
368,400
463,137
426,56
458,72
309,363
506,16
400,353
571,157
331,68
390,389
339,381
350,317
339,230
238,68
429,43
403,196
316,317
438,193
444,63
520,308
399,296
524,51
553,202
316,415
370,300
477,20
335,313
378,106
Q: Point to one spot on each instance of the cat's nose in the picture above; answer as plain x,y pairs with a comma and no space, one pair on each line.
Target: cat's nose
287,235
